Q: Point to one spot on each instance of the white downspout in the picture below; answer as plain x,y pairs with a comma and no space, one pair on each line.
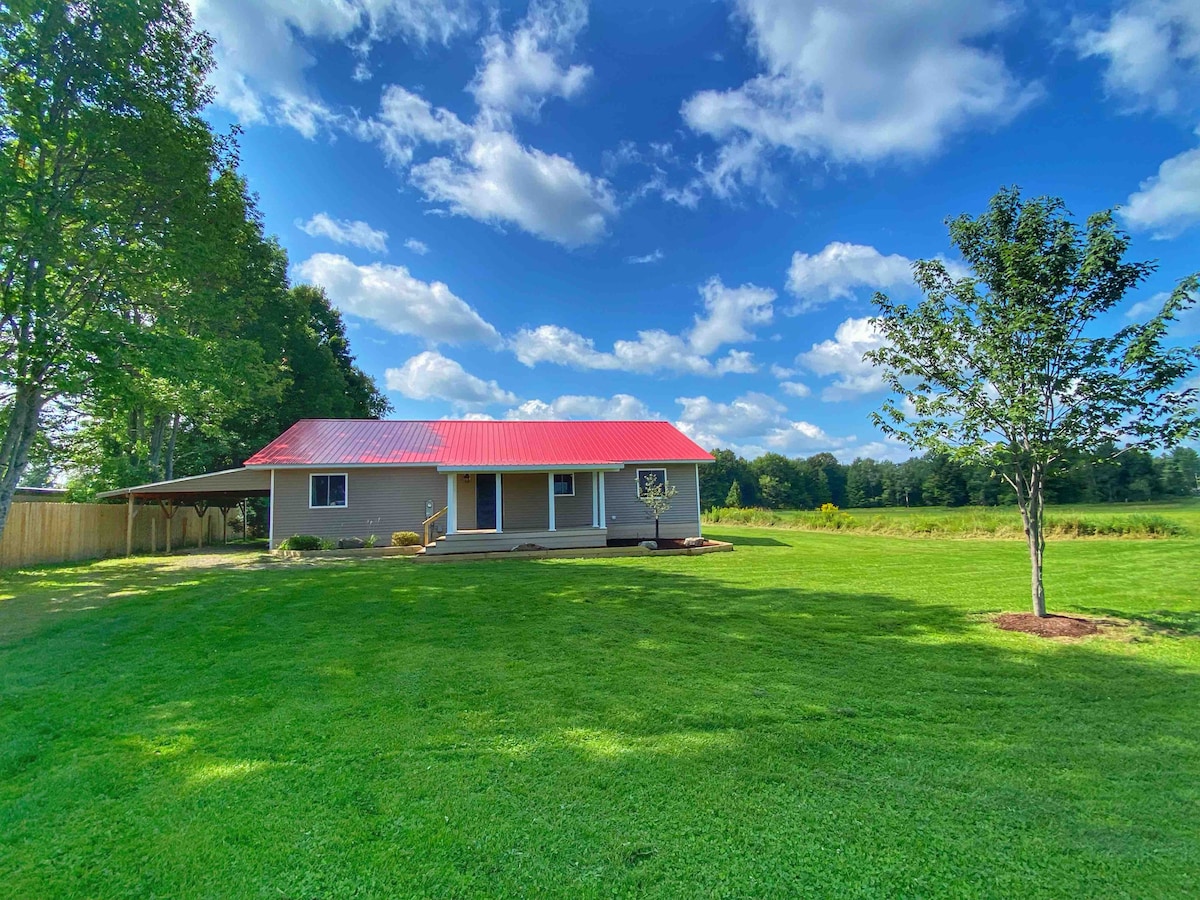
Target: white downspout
499,507
550,482
603,517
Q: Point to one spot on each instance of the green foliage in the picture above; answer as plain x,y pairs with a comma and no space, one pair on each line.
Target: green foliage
370,541
304,542
405,539
734,497
813,713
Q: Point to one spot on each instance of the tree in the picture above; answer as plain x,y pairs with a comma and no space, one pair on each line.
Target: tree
733,499
103,154
1001,367
657,496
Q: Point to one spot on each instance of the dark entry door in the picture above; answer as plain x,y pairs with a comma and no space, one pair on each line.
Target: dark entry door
485,501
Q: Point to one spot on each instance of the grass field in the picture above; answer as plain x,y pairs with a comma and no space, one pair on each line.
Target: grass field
1167,519
811,715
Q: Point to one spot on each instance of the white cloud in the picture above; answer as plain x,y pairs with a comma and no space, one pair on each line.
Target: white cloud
418,247
842,358
751,425
393,299
840,269
728,316
643,260
406,120
1152,53
431,376
500,181
572,406
858,81
1187,323
781,372
343,231
1168,203
521,70
795,388
262,48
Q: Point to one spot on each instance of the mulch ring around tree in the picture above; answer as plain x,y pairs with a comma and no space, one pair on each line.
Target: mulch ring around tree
1049,626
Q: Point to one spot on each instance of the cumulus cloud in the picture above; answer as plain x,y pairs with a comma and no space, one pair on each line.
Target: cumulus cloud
842,358
573,406
795,388
1168,203
728,316
393,299
431,376
859,82
262,56
343,231
1151,52
840,269
521,70
753,424
418,247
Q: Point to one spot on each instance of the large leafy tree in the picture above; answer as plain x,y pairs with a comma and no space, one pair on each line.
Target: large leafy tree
104,162
1012,367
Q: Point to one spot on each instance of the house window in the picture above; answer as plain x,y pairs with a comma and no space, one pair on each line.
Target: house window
564,484
326,490
644,476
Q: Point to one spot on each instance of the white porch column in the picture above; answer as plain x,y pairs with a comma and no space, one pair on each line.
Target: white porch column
595,501
451,503
550,483
499,506
603,517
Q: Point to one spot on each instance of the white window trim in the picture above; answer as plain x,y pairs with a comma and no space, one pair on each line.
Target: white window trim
637,481
572,477
313,475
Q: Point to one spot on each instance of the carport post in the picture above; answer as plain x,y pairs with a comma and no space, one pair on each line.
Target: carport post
129,526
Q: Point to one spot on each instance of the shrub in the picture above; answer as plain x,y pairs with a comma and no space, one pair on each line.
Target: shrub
303,542
405,539
370,541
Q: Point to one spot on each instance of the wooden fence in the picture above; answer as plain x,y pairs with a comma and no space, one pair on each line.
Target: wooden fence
62,532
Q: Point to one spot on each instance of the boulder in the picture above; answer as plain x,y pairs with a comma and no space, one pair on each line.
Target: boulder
351,544
648,545
528,547
694,542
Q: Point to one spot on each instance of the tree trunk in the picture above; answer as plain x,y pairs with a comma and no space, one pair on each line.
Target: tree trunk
26,411
1032,508
170,468
656,527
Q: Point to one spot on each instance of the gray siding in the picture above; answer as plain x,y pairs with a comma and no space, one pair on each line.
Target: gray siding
628,517
575,512
378,501
526,502
466,502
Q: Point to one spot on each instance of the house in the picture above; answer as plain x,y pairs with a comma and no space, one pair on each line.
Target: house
480,485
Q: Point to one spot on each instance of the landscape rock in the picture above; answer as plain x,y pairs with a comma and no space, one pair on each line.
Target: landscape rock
694,542
528,547
649,545
351,544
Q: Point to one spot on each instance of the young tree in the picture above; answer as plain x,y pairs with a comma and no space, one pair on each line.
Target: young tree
1010,367
733,499
657,496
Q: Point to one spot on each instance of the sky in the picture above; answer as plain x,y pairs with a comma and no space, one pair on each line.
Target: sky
681,210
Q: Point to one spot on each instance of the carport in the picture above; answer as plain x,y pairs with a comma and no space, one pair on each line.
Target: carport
220,490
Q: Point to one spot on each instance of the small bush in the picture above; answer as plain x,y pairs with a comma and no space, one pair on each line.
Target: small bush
303,542
370,541
405,539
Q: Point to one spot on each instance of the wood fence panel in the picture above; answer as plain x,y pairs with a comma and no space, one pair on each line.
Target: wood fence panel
63,532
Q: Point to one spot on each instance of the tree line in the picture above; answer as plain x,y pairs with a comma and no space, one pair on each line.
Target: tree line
774,481
147,326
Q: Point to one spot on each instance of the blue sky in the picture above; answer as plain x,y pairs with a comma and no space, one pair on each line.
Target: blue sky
681,210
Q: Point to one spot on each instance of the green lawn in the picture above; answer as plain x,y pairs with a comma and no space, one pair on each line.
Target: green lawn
814,714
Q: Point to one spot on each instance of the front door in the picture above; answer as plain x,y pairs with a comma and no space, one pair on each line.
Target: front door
485,501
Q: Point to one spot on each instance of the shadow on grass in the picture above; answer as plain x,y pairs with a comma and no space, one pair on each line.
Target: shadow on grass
536,703
1166,621
744,540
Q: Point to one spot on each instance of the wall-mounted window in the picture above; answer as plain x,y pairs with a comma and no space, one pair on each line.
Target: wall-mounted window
326,490
564,484
644,476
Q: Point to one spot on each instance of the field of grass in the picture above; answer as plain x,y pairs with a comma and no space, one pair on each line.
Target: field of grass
813,714
1140,520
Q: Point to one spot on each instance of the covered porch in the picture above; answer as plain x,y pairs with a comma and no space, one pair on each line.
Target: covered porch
501,508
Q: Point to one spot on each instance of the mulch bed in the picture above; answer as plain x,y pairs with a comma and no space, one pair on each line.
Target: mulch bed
1049,626
663,544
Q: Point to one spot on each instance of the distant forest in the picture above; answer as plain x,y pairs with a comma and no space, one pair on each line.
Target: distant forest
775,481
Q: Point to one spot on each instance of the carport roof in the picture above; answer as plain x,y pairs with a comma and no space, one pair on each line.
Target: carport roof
231,484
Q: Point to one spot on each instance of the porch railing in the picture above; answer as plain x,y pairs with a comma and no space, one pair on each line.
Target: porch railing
429,522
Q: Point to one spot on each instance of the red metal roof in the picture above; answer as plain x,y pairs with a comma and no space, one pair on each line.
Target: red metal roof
338,442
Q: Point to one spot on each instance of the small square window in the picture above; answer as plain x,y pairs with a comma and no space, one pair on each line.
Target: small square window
646,476
327,490
564,484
